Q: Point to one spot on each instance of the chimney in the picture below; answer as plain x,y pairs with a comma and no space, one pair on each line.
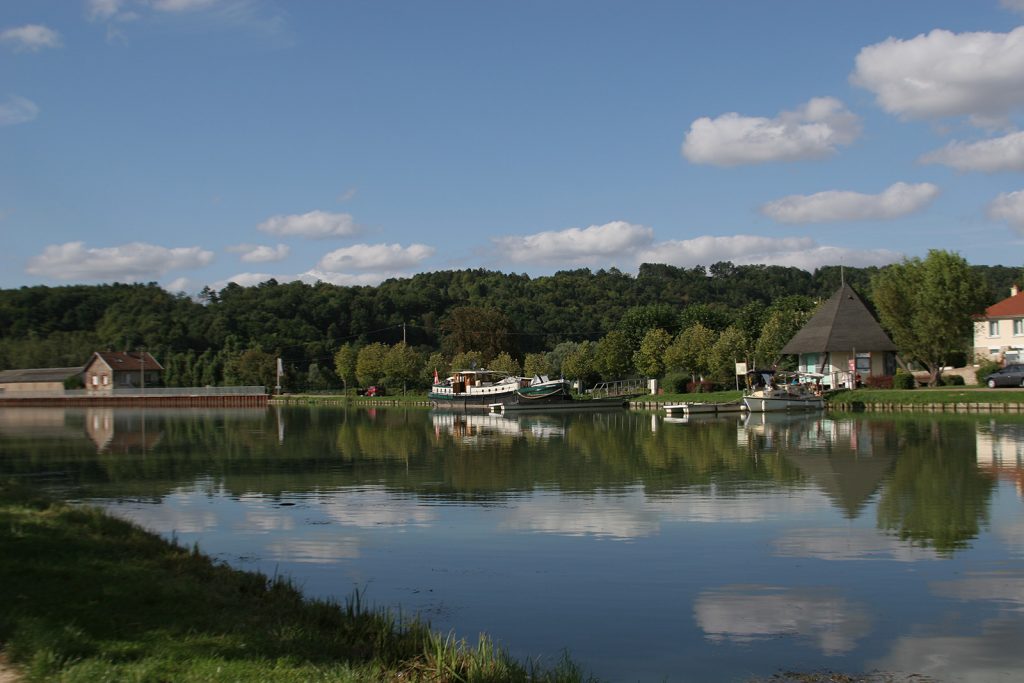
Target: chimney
1014,290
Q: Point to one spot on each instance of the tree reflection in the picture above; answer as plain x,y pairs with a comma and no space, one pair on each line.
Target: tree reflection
936,496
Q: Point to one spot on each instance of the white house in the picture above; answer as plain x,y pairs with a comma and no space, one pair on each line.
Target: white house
999,333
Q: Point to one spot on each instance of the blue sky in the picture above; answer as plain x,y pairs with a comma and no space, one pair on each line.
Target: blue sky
194,142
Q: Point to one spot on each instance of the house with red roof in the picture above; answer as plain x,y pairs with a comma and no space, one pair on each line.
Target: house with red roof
999,333
110,370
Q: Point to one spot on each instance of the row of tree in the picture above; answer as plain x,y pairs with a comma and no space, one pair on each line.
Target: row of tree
693,321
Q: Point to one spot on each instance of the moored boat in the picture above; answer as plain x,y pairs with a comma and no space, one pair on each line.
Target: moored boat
548,394
698,408
475,389
771,392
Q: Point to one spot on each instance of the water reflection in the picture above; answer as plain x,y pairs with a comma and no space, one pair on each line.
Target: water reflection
821,540
744,614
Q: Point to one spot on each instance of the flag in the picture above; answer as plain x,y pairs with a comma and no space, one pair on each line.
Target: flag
436,380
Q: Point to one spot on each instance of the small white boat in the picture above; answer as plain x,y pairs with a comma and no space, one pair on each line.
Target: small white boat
771,392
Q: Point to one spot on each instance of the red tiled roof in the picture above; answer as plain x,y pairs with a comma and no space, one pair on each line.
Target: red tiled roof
1010,307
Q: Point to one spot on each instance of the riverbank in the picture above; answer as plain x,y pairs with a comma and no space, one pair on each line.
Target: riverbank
87,597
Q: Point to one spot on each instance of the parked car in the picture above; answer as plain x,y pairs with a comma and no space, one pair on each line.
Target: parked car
375,391
1010,376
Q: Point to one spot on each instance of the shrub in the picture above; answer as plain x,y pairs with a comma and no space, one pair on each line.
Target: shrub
699,387
986,368
675,382
903,380
879,382
952,381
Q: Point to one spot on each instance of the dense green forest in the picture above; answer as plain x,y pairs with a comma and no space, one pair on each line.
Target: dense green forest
231,336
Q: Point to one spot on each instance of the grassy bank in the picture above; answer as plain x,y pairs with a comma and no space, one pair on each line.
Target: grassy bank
924,396
86,597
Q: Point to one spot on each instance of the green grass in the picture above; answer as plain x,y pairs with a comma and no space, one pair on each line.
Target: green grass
86,597
926,395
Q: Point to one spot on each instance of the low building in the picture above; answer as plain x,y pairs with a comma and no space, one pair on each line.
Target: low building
32,381
999,332
843,339
108,371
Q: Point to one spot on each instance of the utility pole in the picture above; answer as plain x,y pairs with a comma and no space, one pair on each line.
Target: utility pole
142,371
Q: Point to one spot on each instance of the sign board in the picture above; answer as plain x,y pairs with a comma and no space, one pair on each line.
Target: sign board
741,368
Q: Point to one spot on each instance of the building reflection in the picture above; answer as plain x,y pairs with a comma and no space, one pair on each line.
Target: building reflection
1000,452
120,431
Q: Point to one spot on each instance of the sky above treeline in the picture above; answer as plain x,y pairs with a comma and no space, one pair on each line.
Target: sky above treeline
197,142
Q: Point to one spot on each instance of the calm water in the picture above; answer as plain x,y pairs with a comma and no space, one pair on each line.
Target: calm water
649,547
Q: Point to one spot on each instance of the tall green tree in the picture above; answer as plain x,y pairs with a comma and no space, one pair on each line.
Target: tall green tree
345,365
690,351
536,364
649,359
928,307
401,365
613,356
477,328
506,363
370,364
728,349
579,363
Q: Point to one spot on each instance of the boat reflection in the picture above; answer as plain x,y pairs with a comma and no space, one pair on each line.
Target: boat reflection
496,427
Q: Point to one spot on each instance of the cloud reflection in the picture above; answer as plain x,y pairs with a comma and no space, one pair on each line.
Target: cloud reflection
742,614
852,544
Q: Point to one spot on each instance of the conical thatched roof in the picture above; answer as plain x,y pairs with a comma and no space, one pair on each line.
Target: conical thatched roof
843,323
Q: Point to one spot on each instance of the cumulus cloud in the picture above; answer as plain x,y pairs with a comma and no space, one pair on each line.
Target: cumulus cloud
899,199
127,262
17,110
1009,207
744,614
379,257
260,253
980,75
315,225
575,245
813,131
997,154
799,252
30,38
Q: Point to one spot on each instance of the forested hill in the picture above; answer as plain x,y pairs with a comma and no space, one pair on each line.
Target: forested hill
61,326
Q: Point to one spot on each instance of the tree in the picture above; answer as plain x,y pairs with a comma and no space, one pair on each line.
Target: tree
556,357
650,357
401,365
251,368
613,356
435,364
506,363
467,360
927,307
370,364
691,351
727,350
637,320
345,365
536,364
579,363
486,330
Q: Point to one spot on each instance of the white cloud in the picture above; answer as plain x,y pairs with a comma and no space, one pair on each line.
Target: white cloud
897,200
745,614
799,252
1009,207
127,262
30,38
181,5
379,257
260,253
997,154
1013,5
575,245
946,74
315,275
17,110
812,131
849,545
315,225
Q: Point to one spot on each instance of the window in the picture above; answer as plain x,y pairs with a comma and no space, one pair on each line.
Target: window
106,380
993,328
95,380
864,363
1018,327
811,362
